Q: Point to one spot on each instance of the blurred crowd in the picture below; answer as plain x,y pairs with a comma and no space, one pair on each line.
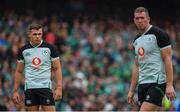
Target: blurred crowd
96,57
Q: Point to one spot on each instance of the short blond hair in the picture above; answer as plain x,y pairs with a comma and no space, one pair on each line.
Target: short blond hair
141,9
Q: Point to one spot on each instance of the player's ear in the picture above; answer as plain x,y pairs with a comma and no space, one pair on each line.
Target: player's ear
149,18
28,35
27,32
134,20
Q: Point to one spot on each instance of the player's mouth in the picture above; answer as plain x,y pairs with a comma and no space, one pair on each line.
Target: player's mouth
140,25
37,41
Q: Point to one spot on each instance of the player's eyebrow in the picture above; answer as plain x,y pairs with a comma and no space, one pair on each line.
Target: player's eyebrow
36,34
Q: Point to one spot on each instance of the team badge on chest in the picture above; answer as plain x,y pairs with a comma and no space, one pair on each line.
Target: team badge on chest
45,52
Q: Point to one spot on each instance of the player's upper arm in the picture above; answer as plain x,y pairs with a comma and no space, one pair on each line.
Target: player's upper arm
166,53
55,58
136,57
56,64
20,56
20,61
163,39
164,43
20,67
136,61
54,54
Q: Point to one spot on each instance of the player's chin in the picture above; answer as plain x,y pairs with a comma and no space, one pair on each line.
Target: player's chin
141,27
57,99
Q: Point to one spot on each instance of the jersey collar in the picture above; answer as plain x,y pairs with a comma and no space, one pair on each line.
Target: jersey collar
147,29
37,45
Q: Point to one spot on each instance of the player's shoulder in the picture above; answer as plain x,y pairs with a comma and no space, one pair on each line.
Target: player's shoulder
161,35
136,37
156,30
26,46
51,47
46,45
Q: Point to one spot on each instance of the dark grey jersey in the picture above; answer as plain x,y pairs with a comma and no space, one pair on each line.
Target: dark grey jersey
37,61
148,52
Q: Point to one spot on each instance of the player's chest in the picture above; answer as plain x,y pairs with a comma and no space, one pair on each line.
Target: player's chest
145,44
36,55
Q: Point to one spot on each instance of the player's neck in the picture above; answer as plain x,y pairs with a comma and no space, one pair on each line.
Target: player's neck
36,44
146,29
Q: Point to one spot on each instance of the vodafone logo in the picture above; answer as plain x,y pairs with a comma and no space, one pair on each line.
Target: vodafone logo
141,51
36,61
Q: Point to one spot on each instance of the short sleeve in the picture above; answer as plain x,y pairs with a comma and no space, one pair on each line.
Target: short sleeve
54,53
20,55
163,39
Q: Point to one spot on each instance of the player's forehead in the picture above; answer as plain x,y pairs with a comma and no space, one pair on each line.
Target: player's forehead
140,14
36,30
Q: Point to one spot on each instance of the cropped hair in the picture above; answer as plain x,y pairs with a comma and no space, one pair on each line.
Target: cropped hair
141,9
34,26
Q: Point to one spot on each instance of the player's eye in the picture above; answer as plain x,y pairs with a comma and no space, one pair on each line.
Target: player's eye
35,34
139,18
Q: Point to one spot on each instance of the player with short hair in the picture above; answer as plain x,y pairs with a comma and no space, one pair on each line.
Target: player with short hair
36,60
152,71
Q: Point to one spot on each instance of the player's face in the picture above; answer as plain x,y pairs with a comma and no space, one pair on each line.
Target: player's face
35,36
141,20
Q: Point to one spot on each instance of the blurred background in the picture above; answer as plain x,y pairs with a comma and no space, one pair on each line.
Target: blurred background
94,39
